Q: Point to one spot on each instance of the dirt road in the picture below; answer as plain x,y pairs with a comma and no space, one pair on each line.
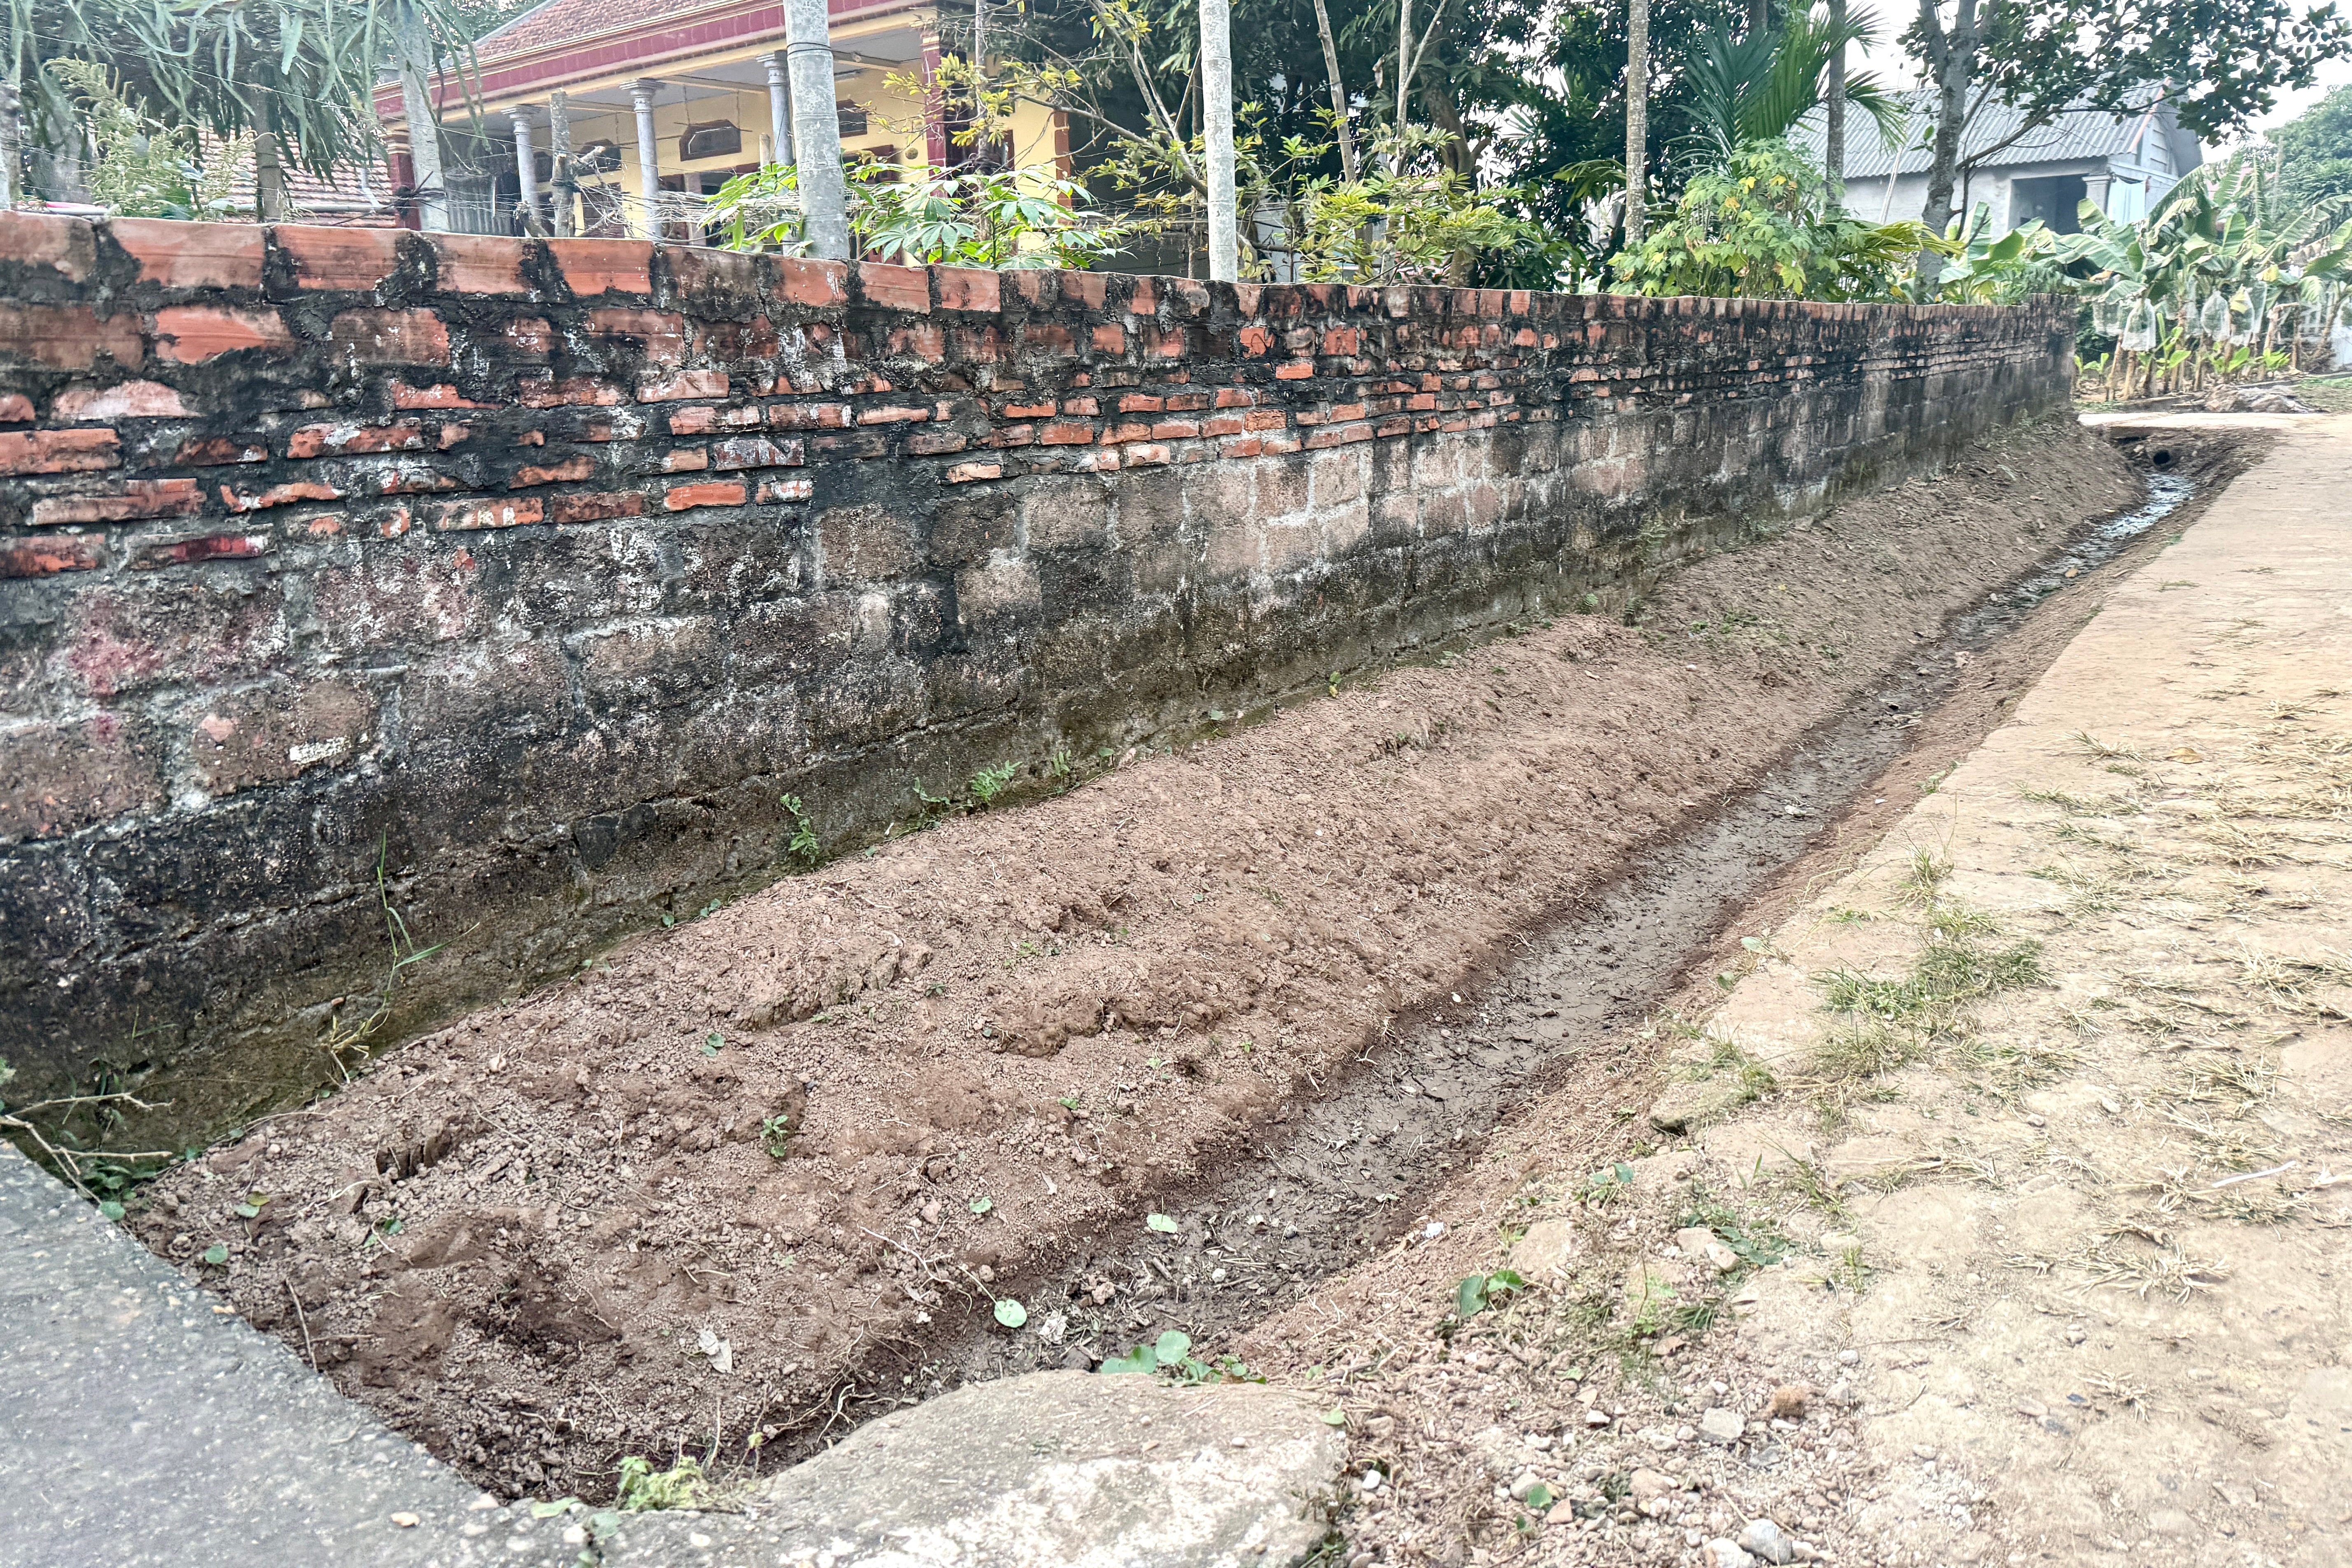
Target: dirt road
2012,1218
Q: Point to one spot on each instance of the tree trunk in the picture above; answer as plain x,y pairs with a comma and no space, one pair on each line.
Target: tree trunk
1404,58
268,173
1637,117
1833,112
423,125
1951,61
1217,128
1760,14
1339,94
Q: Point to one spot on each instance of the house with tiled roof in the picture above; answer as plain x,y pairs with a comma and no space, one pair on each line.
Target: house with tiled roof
2122,164
691,91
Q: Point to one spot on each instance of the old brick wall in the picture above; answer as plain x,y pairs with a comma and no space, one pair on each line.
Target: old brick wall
540,570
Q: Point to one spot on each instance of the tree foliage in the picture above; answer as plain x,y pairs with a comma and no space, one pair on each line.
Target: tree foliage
2316,150
1761,226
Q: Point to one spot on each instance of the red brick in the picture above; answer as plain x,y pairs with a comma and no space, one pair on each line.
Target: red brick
686,460
1144,300
341,440
1235,397
891,415
1028,410
711,493
932,443
662,332
17,408
47,556
967,288
1110,340
1296,370
965,473
440,395
138,499
1047,338
1339,436
1090,289
194,333
338,257
214,451
816,284
57,451
1139,403
595,507
594,267
65,245
921,339
279,495
809,415
1264,419
1223,425
1145,452
544,392
756,452
464,516
68,337
390,337
1175,429
1132,431
477,264
129,400
896,287
1343,341
194,551
192,254
1065,435
786,490
1081,406
579,466
687,383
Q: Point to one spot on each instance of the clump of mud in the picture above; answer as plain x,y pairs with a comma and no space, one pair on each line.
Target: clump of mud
737,1186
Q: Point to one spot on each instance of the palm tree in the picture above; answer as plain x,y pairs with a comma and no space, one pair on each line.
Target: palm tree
299,74
1756,86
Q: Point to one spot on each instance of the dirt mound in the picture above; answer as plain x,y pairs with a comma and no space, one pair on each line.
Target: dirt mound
735,1183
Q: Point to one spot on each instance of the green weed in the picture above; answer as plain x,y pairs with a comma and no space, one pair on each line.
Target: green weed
803,845
644,1489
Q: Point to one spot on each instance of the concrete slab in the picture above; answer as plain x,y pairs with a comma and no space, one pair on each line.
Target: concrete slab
141,1424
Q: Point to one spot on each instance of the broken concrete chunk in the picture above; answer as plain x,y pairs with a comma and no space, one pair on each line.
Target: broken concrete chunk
1721,1425
1724,1555
1767,1541
1049,1469
1543,1254
1702,1245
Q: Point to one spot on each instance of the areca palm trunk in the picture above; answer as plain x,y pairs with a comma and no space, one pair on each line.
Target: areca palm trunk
1637,117
268,169
1833,112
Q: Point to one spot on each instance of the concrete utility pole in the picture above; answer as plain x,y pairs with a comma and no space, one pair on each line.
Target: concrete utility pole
8,148
641,98
424,126
1833,113
1217,99
779,109
1637,117
816,130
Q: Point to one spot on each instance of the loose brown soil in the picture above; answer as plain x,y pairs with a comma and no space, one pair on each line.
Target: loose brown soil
764,1174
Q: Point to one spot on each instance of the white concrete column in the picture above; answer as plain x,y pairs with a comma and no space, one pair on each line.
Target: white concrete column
779,108
640,96
816,130
526,168
2095,188
1217,99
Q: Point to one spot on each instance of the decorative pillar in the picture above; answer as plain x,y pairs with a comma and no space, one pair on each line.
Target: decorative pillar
526,170
2095,186
566,191
641,97
780,108
816,130
935,103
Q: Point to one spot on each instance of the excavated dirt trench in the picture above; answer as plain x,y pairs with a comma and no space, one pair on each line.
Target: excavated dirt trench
750,1181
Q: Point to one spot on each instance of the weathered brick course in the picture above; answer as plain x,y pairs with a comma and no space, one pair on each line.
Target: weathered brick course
696,529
